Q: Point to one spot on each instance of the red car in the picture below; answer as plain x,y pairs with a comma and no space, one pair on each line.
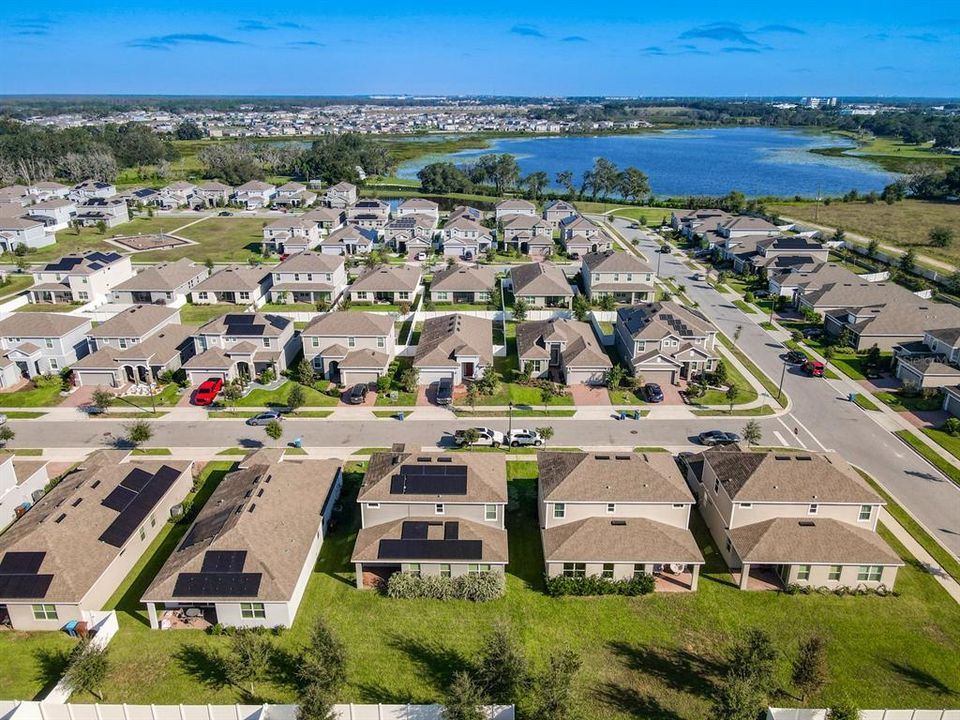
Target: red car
208,391
813,368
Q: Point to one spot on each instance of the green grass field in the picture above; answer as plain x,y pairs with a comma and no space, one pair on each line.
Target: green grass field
16,283
659,656
31,397
222,239
930,455
278,397
202,314
904,224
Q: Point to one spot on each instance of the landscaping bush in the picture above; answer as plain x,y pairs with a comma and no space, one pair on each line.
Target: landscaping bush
595,585
48,380
951,427
477,588
840,591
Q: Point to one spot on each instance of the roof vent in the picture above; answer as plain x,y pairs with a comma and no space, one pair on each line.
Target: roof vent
618,523
445,459
807,523
601,457
60,518
423,459
253,507
621,457
805,458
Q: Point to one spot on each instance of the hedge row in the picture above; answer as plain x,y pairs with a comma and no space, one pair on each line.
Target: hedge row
596,585
478,588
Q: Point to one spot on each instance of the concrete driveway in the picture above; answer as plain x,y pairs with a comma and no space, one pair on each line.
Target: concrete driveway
589,394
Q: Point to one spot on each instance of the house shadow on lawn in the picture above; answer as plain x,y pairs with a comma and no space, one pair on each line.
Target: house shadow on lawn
922,679
634,703
337,548
523,533
51,665
437,662
677,669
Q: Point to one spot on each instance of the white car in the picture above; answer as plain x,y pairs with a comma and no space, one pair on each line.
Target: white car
421,256
485,437
521,437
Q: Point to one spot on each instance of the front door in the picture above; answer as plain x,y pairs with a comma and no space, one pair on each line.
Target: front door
468,369
555,353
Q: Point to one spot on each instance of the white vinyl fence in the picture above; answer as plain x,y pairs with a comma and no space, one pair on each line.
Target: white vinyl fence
104,626
10,710
820,714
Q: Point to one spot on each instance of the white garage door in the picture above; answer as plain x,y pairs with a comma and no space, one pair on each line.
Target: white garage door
198,376
428,377
352,377
90,377
661,377
590,377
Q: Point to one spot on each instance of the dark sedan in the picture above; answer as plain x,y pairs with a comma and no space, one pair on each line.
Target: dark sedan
718,437
358,394
653,393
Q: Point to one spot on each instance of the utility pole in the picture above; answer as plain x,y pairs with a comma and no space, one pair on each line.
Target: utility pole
783,373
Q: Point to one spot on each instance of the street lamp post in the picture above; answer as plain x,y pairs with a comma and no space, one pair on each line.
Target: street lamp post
510,420
783,373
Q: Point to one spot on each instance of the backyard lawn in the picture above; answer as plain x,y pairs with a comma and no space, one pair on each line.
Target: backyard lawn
658,656
16,283
222,239
202,314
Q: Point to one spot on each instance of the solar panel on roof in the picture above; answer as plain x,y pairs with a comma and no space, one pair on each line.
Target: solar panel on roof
414,530
137,510
430,480
136,479
223,561
391,549
21,562
451,531
200,585
23,586
119,498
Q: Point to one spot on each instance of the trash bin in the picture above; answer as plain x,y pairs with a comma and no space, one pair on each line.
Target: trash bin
297,442
622,414
400,416
851,397
636,414
71,628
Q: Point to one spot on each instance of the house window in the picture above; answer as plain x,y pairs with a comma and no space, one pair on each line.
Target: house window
438,509
315,342
803,572
869,573
445,570
153,520
143,533
202,295
414,569
123,343
373,506
83,294
351,342
865,512
489,512
477,569
252,611
812,510
49,343
574,569
607,571
44,612
611,508
678,505
716,486
403,295
559,511
746,506
54,365
729,545
442,296
834,572
244,296
361,295
638,571
381,342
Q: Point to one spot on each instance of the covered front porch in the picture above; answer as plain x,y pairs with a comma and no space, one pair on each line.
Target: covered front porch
761,577
196,616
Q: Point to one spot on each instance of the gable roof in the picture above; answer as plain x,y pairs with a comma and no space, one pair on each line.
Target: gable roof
164,277
348,323
810,540
135,321
388,278
246,325
466,278
628,540
539,279
611,477
656,320
40,324
582,349
82,264
613,261
234,277
446,337
485,477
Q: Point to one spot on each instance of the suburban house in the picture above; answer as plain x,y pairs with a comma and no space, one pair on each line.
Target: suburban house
168,283
135,347
69,553
785,517
617,516
348,348
247,558
342,195
541,285
369,214
932,362
177,194
742,225
111,212
462,284
581,236
794,282
55,214
294,195
771,254
410,234
237,284
562,350
471,213
529,234
43,343
89,189
241,345
505,208
430,514
349,240
255,194
390,284
308,277
420,206
213,194
951,399
15,196
455,347
290,235
22,482
326,219
620,274
466,238
664,342
140,197
694,223
88,277
29,232
556,211
43,191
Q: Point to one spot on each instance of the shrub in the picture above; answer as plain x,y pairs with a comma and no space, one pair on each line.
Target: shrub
559,585
951,426
477,588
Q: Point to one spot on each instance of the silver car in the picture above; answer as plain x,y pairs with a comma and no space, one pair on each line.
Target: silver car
521,437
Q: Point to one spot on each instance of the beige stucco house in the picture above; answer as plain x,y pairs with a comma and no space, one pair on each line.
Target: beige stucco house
562,350
350,347
620,274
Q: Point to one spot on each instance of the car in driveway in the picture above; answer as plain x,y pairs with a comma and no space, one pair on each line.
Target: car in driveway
485,437
358,394
711,438
444,391
522,438
653,393
796,357
265,418
666,249
207,391
699,277
812,332
421,256
814,368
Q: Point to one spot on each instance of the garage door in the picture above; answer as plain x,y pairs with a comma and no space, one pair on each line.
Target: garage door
104,378
352,377
198,376
428,377
590,377
661,377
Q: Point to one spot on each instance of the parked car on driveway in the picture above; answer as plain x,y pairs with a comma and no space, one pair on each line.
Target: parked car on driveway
813,368
812,332
207,391
421,256
485,437
521,437
444,391
653,393
796,357
718,437
358,393
265,418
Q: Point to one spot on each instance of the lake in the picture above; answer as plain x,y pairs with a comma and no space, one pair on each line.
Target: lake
702,161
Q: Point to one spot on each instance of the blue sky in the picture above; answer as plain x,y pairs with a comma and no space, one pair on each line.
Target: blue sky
320,47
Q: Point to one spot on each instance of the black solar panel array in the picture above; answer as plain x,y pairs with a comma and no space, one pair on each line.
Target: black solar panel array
205,585
223,561
136,510
414,545
430,480
19,578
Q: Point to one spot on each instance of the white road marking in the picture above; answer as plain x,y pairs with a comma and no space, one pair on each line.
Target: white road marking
795,435
780,438
807,430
